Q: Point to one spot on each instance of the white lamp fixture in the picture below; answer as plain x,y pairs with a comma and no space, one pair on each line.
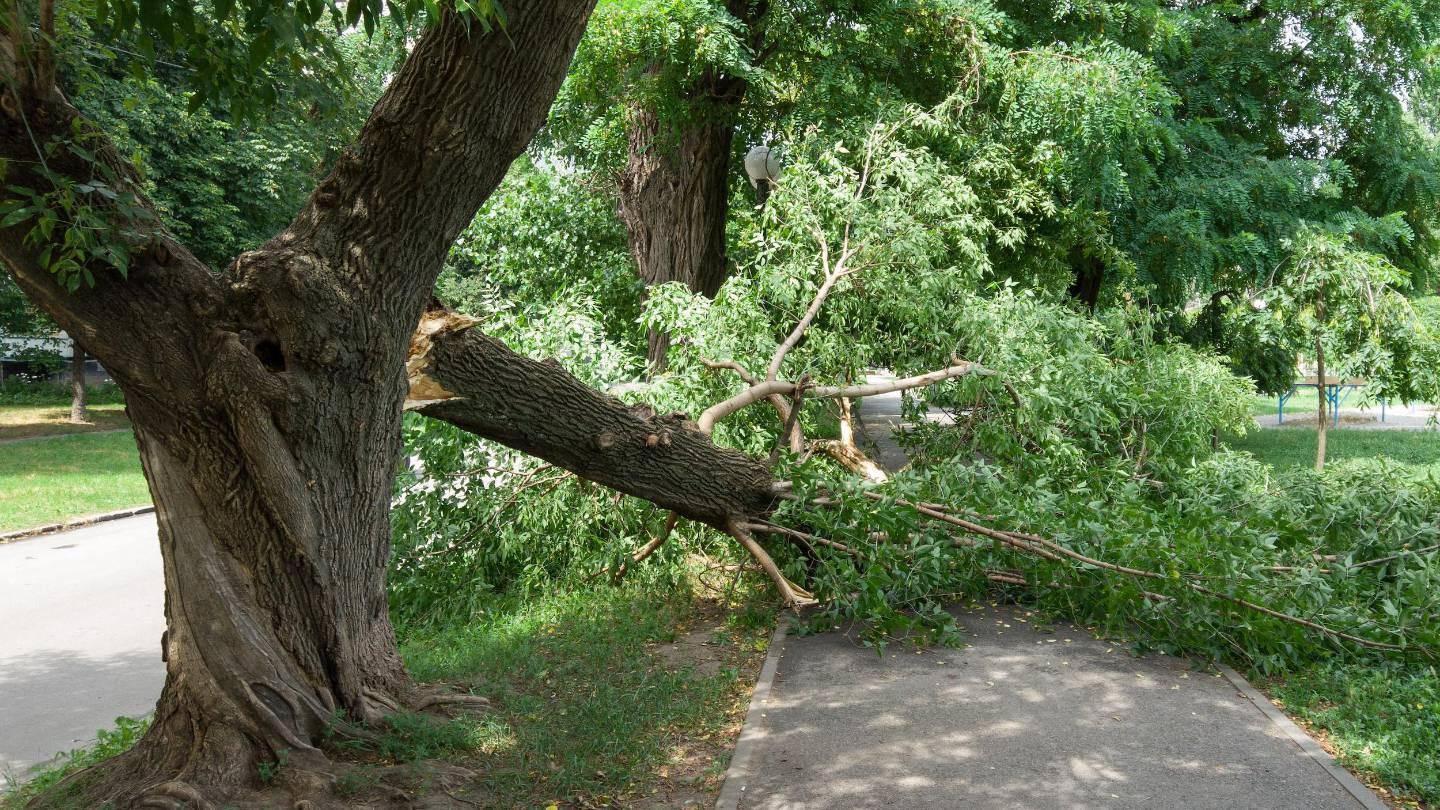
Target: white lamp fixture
763,166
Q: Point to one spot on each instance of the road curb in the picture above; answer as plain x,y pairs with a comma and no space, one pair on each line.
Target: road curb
75,523
1362,794
750,734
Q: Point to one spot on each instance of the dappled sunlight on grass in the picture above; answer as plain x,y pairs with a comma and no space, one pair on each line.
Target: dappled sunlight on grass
590,700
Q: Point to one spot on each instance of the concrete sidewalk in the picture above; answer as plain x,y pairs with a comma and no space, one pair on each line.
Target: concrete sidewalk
1022,717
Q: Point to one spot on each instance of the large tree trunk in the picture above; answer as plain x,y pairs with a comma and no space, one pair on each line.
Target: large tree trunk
674,200
267,404
674,190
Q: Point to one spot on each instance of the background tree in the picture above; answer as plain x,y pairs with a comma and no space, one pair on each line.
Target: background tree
1339,303
665,98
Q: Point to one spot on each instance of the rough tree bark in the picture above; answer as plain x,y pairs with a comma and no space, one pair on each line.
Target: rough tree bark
266,403
674,201
473,381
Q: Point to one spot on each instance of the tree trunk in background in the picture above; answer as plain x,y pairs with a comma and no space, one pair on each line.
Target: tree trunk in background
78,414
1320,391
266,402
674,190
674,201
1088,281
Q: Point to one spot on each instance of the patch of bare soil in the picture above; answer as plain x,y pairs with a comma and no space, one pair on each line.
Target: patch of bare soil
695,766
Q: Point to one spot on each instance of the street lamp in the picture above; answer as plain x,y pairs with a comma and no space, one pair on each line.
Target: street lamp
763,167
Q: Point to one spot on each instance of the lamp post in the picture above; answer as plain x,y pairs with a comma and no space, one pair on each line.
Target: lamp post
762,165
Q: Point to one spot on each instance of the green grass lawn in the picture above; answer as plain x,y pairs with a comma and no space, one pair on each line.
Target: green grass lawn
1383,720
606,696
49,480
1287,447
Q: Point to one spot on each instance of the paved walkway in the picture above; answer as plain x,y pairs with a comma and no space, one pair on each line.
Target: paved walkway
81,613
1022,717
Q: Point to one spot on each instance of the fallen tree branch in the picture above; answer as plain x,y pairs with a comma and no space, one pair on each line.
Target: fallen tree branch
792,595
1053,550
487,389
775,528
766,388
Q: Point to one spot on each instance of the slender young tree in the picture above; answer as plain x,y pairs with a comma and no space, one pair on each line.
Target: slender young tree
79,414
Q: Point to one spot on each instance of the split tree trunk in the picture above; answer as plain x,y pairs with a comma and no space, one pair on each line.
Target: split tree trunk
266,404
78,410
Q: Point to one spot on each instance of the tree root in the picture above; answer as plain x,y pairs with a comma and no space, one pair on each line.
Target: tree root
173,795
437,702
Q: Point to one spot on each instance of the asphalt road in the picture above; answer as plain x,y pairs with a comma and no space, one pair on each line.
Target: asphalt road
81,615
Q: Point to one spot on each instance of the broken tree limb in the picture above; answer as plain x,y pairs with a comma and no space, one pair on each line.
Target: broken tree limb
850,457
539,408
793,433
791,594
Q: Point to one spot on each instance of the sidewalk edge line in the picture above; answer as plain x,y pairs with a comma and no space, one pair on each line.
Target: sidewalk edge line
1353,786
75,523
750,735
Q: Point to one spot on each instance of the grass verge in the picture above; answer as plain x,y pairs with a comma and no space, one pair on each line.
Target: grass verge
629,696
1381,720
50,480
31,421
